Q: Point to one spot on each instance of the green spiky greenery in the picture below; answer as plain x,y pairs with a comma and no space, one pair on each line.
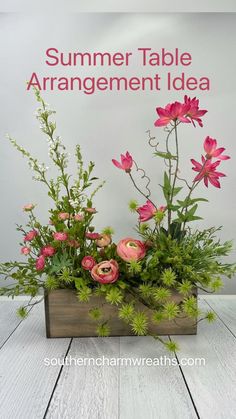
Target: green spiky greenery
139,323
103,330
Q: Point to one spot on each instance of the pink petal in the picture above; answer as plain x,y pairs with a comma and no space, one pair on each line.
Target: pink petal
214,182
197,165
117,164
206,181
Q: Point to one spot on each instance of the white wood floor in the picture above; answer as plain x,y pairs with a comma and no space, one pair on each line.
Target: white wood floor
29,389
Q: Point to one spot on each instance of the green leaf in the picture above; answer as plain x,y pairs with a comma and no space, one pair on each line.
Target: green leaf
167,187
79,283
165,155
176,190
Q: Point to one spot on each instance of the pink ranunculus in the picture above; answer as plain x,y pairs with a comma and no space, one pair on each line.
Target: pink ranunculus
92,236
193,112
28,207
78,217
25,250
63,216
30,235
91,210
88,262
126,162
60,236
40,263
105,272
172,112
207,171
73,243
104,240
48,251
130,249
147,211
210,147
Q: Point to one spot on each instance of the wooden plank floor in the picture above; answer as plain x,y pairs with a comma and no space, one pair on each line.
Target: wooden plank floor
31,389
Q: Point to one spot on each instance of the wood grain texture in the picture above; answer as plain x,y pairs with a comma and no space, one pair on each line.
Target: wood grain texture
152,391
8,319
225,307
89,391
67,317
212,386
26,383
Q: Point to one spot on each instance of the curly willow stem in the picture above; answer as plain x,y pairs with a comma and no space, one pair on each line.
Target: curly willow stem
151,139
144,176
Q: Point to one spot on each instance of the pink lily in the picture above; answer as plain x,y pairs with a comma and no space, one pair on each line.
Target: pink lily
210,147
194,113
147,211
207,171
172,112
126,162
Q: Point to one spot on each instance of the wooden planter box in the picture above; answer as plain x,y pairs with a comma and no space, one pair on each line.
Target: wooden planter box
67,317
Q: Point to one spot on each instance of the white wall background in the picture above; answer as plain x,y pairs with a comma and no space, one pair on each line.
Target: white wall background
106,124
180,6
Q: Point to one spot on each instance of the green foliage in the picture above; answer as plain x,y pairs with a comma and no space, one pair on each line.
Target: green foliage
190,307
157,316
114,296
133,205
95,313
134,267
84,294
168,277
161,294
172,346
171,310
108,230
139,323
185,287
103,330
22,312
143,227
210,316
145,290
126,312
51,283
216,284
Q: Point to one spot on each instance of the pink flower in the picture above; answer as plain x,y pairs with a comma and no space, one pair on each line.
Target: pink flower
126,162
210,147
78,217
172,112
193,112
104,240
207,171
91,210
63,216
92,236
147,211
25,250
48,251
73,243
105,272
88,262
40,263
30,235
162,208
28,207
130,249
60,236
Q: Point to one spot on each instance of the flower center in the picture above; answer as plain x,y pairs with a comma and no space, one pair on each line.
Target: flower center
132,244
104,271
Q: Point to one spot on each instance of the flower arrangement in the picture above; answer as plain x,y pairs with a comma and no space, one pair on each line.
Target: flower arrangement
169,255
